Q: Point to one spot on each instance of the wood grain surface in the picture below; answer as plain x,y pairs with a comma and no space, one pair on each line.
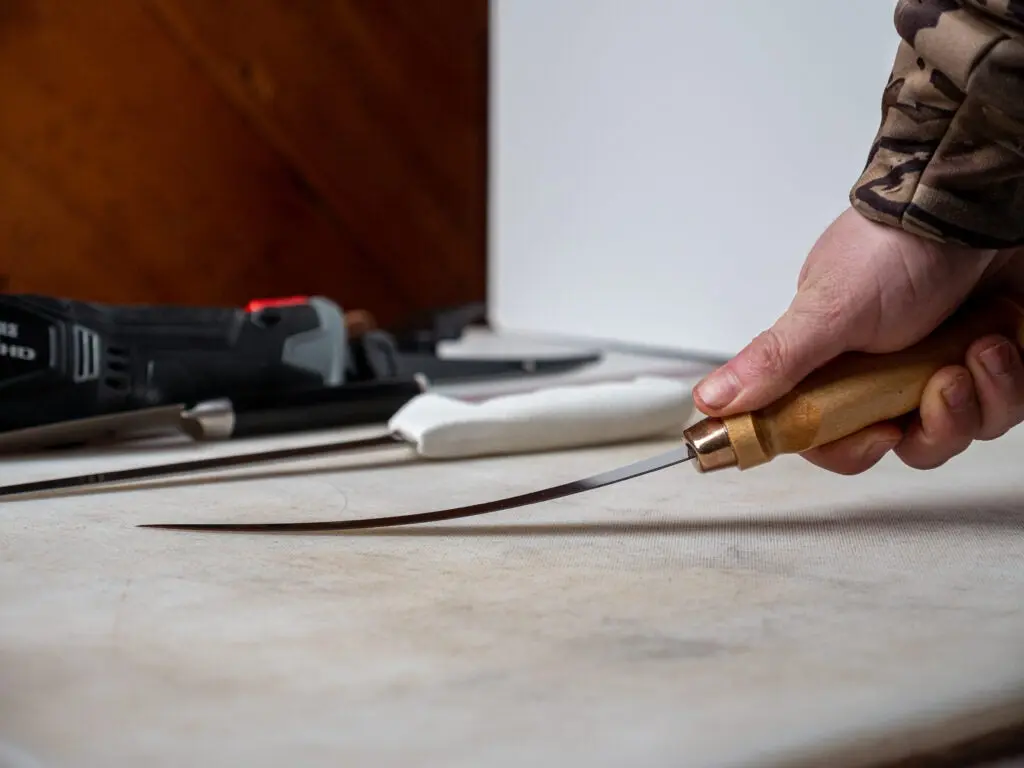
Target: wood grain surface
197,152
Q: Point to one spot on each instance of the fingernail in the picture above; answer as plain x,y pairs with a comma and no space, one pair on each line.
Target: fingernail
956,393
997,358
719,390
876,451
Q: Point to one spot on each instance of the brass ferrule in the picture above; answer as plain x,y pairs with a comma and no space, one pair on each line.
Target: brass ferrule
710,443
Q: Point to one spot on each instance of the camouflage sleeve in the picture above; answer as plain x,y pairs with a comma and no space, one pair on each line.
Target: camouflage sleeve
947,162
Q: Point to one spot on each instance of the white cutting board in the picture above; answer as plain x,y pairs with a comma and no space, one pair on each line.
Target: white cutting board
660,168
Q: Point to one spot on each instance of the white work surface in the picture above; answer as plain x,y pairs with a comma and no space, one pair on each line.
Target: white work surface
783,616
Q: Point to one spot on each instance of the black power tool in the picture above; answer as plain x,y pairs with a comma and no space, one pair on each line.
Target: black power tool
291,363
62,360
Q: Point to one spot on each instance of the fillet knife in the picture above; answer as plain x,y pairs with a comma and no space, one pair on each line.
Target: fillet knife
853,391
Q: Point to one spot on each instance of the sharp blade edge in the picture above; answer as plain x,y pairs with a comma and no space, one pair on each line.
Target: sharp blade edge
610,477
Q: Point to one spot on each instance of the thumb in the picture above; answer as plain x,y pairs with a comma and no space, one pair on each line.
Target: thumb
807,336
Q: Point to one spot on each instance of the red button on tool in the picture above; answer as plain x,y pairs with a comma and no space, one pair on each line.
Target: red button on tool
258,304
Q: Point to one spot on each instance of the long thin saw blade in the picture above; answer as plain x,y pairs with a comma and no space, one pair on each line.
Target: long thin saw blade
618,475
199,465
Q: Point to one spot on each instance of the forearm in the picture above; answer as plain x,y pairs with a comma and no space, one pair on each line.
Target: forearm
948,160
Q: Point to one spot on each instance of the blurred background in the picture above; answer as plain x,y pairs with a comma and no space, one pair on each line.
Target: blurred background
201,152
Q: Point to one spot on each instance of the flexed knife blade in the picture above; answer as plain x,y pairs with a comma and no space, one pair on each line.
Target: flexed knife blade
628,472
852,392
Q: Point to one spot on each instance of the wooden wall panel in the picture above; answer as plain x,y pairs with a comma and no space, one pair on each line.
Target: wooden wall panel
196,151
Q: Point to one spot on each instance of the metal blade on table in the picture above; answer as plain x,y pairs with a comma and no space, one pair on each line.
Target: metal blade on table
198,465
454,369
107,428
618,475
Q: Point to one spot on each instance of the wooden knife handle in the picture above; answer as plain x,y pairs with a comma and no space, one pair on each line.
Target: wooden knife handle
852,392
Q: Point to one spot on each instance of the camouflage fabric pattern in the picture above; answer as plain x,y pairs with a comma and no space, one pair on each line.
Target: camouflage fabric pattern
947,162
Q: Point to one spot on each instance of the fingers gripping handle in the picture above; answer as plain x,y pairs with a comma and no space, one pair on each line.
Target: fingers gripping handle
852,392
549,419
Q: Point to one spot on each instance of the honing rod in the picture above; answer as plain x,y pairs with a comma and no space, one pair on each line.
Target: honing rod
853,391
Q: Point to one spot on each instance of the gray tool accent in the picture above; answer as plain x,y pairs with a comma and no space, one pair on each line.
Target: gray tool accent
324,350
85,348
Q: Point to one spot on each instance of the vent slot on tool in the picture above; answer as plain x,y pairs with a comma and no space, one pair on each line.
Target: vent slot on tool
117,369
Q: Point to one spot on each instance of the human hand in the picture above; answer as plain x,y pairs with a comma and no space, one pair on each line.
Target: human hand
872,288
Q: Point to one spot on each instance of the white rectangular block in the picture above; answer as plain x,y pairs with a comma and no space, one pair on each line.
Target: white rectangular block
660,168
